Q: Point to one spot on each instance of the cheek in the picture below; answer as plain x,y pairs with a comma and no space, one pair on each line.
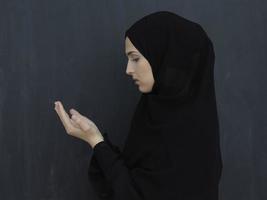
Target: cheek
141,69
147,76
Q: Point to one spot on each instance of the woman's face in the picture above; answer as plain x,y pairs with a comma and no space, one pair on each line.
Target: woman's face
138,67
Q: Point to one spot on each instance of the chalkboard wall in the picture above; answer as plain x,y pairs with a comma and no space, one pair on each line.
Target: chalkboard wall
73,51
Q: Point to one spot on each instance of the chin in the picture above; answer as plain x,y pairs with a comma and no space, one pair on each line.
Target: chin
143,90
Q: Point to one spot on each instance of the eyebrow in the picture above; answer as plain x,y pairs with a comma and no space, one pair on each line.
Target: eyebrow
130,52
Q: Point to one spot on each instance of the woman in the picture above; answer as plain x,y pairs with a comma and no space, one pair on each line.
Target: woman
172,151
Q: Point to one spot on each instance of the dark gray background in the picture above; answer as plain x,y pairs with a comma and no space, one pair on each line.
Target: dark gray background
73,51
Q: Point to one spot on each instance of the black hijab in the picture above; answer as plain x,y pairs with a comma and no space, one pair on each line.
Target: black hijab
173,149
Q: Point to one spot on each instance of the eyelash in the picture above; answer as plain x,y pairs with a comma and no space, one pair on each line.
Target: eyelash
135,60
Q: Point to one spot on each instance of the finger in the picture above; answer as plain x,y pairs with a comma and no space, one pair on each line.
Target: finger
85,126
74,123
63,115
75,112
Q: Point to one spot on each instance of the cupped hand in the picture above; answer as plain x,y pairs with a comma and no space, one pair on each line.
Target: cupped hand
78,125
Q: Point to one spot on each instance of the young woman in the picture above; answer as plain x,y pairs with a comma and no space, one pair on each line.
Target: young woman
172,151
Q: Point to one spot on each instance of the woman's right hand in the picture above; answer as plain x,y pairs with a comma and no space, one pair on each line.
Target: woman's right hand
78,125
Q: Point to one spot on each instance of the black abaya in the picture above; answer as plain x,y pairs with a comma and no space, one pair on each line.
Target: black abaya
172,151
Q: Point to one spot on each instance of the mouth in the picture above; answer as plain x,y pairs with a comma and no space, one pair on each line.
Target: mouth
135,81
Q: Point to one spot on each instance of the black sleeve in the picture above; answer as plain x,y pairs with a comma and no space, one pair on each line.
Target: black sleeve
110,175
97,180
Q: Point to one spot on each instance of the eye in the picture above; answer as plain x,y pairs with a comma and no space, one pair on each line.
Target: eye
135,60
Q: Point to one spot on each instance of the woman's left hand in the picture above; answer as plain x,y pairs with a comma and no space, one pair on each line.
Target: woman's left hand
78,125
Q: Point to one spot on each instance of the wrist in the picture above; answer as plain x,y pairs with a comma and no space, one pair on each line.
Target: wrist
95,142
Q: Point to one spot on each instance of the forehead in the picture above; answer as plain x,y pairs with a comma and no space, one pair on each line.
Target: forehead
129,46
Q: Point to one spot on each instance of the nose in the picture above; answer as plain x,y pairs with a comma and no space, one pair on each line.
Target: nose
129,69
